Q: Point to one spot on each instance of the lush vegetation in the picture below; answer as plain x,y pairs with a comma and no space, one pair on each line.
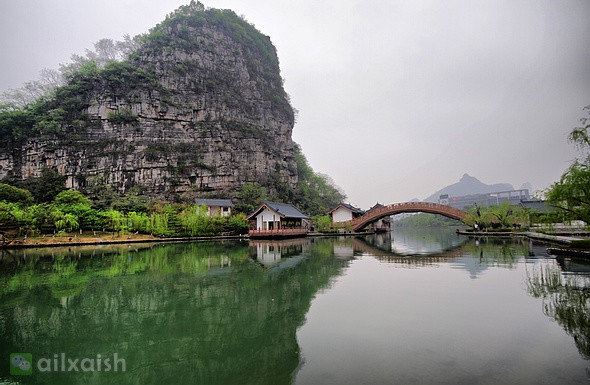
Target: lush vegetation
250,196
72,211
13,194
323,223
499,217
426,220
123,116
55,109
571,194
315,193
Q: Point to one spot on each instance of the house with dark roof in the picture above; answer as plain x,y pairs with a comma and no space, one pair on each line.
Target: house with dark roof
381,225
276,219
216,206
345,212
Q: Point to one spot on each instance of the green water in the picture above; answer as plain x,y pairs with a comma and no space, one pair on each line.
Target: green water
414,306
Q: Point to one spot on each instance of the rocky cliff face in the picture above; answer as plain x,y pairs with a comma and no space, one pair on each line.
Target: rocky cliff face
198,108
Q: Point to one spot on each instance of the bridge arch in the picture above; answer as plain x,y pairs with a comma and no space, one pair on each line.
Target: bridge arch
407,207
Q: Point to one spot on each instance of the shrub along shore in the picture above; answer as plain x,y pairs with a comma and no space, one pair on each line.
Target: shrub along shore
71,215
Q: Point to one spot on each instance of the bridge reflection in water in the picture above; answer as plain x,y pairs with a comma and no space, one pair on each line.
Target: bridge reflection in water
229,312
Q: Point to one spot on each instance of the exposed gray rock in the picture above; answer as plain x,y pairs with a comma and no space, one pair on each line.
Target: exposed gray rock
217,117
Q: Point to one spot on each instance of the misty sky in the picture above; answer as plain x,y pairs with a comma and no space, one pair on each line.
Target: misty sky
396,99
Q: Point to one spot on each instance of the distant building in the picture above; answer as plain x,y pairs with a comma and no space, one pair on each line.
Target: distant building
489,199
383,224
272,216
537,206
216,206
344,213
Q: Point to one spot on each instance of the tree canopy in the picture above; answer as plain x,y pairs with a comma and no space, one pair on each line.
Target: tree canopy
572,192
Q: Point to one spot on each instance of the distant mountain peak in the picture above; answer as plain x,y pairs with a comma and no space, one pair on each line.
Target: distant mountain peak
469,185
467,177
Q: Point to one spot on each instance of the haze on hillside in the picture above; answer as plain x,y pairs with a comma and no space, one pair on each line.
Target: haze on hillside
396,99
469,185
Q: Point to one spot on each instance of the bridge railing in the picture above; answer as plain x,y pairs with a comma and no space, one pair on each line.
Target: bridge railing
377,213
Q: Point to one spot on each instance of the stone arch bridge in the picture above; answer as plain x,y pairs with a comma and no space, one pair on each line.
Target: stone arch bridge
371,216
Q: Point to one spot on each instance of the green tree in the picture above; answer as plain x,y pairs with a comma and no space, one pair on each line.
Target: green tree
237,224
45,187
503,215
249,197
131,201
13,216
579,135
100,192
571,193
14,194
115,220
41,218
315,193
195,221
75,203
322,223
67,222
138,222
72,197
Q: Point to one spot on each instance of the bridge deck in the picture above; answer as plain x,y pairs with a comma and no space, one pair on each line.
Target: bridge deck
406,207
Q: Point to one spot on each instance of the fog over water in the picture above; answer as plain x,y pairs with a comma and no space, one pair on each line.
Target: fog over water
396,99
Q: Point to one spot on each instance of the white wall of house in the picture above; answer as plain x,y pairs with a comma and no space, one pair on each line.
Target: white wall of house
268,254
219,210
341,214
265,216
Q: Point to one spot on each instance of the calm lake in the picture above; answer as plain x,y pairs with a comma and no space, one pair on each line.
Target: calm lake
413,306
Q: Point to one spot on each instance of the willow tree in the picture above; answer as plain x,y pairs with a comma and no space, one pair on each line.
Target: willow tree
572,192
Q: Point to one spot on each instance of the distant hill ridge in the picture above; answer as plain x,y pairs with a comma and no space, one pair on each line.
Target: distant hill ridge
468,185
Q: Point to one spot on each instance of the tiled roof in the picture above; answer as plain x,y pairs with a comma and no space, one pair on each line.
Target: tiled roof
377,205
214,202
284,209
355,210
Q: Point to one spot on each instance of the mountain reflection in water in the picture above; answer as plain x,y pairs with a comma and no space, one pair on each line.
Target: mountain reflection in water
315,310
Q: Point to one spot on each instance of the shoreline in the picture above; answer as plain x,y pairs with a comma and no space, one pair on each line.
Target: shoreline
549,239
99,241
147,239
555,239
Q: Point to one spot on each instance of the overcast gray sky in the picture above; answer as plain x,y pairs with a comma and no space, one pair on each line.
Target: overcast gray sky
397,98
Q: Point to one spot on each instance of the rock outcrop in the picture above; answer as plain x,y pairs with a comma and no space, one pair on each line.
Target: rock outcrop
198,108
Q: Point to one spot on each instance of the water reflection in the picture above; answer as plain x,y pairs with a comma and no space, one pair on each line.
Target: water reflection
271,252
238,312
191,313
417,241
565,291
411,247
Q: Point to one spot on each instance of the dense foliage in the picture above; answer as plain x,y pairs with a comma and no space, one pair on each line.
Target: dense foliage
121,71
13,194
324,224
44,187
498,217
426,220
315,193
72,211
249,197
571,194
